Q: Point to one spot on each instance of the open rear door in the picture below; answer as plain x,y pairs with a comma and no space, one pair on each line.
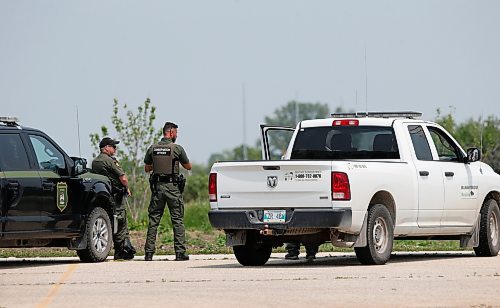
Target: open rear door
275,140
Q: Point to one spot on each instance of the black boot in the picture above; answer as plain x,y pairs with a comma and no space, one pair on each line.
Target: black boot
181,257
148,256
124,250
128,248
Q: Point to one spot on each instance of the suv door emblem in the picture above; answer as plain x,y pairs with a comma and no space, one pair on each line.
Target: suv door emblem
62,196
272,181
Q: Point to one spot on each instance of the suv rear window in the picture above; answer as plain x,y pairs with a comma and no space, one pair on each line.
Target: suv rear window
345,142
12,153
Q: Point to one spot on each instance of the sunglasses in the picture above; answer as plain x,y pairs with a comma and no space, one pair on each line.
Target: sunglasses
113,146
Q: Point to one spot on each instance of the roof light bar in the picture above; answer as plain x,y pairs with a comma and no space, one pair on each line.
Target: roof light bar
10,121
371,114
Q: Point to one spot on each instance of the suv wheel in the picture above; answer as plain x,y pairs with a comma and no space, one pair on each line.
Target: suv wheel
489,232
98,234
380,237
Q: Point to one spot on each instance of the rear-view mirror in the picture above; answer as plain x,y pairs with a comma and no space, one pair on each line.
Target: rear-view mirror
473,154
79,166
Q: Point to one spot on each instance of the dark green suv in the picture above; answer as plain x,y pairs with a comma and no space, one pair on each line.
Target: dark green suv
50,199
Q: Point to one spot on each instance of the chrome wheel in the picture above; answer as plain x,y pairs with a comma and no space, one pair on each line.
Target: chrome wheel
100,235
380,238
494,228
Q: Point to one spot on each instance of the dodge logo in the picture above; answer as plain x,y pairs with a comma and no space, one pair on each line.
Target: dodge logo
272,181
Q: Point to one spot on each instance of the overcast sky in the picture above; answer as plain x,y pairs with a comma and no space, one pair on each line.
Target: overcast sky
193,57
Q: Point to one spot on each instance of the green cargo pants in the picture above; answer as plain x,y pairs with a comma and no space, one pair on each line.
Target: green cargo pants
166,193
121,216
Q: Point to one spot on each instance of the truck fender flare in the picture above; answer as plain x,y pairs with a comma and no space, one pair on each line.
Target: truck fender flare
101,196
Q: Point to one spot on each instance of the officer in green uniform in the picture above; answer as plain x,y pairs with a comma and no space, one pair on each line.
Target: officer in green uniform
294,251
106,164
167,185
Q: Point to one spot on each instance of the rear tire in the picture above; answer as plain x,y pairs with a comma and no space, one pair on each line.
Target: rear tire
489,231
255,252
380,237
99,237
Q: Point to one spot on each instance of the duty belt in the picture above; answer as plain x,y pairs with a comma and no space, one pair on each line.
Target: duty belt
166,178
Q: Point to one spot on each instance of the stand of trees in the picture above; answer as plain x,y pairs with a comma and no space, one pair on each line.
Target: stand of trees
481,133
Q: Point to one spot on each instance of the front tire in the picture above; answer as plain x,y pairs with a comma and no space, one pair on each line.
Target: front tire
255,252
380,237
99,237
489,231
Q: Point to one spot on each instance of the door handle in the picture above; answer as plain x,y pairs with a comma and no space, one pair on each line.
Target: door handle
14,192
423,173
271,167
448,173
48,185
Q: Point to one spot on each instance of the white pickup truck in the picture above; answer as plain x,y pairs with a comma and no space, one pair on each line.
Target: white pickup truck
357,180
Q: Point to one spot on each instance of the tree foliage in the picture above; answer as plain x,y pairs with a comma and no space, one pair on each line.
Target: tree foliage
294,112
289,115
136,133
253,153
481,133
197,184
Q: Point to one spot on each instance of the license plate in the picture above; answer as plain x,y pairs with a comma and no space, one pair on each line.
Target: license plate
274,216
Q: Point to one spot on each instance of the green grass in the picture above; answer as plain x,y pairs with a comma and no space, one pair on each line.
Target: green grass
410,245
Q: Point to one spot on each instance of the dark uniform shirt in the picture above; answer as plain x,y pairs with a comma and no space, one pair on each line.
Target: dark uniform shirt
108,166
178,151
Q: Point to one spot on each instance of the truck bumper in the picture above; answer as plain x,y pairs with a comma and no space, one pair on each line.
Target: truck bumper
252,219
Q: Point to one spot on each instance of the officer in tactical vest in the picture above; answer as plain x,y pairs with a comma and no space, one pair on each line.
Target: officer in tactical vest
106,164
294,251
167,186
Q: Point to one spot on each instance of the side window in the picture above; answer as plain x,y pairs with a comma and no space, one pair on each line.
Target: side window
278,140
48,157
13,156
420,144
447,150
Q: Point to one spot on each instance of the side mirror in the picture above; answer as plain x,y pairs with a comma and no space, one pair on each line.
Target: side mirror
79,166
473,154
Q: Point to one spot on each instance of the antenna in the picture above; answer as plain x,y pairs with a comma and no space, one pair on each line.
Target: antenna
78,128
481,141
481,123
356,106
366,83
244,123
297,120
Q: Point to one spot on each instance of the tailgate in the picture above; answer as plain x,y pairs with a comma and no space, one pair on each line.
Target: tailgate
273,184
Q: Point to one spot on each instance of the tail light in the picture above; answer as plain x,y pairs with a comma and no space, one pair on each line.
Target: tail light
212,187
341,189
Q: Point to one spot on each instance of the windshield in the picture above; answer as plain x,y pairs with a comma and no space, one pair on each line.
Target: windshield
345,142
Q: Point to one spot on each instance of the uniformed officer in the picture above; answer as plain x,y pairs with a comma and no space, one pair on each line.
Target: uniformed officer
167,185
106,164
294,251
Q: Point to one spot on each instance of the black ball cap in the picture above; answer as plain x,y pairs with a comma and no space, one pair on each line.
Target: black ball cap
107,141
